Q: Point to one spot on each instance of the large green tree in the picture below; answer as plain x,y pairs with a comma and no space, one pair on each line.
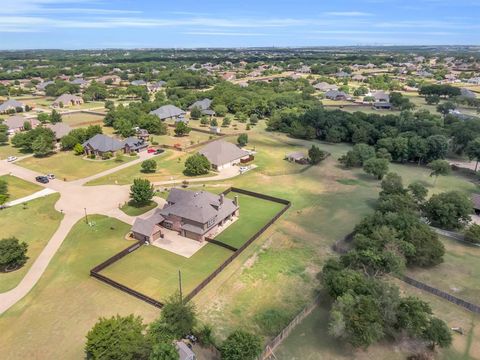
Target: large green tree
197,164
141,191
449,210
376,167
13,254
241,345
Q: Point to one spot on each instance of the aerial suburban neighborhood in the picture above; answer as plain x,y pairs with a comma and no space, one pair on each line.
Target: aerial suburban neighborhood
298,183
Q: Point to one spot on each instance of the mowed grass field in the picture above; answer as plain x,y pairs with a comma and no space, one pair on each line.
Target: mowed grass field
8,150
67,166
34,224
82,119
458,275
194,137
254,214
170,163
19,188
154,271
51,321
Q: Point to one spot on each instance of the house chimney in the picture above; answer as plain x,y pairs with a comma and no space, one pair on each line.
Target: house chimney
222,197
235,200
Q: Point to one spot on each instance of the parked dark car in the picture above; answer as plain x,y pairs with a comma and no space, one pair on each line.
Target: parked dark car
159,151
42,179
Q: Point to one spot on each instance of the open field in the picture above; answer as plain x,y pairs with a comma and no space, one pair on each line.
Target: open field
132,210
55,316
278,271
67,166
82,119
458,275
169,164
18,221
194,137
18,188
254,214
154,271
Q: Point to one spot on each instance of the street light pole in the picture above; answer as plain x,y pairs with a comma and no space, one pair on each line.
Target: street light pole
86,216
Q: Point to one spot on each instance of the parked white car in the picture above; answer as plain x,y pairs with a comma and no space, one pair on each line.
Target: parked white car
50,176
244,169
11,158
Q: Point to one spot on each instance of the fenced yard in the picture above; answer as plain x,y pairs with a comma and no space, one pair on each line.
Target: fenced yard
154,272
82,119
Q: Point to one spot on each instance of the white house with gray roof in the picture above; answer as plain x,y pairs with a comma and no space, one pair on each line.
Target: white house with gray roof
222,154
168,112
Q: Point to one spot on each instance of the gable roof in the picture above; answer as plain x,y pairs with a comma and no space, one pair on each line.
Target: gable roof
146,227
17,122
59,129
67,98
104,143
11,104
333,94
221,152
167,111
201,104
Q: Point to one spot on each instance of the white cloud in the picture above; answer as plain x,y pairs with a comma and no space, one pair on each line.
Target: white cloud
348,13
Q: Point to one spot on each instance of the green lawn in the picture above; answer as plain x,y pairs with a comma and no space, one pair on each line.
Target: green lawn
53,319
8,150
135,210
154,271
254,214
458,275
67,166
34,224
194,137
169,164
19,188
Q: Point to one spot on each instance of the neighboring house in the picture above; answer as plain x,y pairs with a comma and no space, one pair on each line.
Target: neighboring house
114,78
323,86
43,85
342,75
475,81
424,73
184,351
467,93
67,100
11,104
382,105
359,77
204,106
59,129
222,154
297,157
101,144
138,83
168,112
17,123
153,88
336,95
380,96
79,81
476,203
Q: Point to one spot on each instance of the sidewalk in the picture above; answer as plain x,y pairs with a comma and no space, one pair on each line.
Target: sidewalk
38,194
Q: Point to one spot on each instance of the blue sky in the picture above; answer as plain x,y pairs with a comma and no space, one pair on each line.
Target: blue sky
74,24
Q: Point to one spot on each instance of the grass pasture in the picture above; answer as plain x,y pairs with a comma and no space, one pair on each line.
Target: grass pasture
154,271
135,210
194,137
9,150
19,188
67,166
81,119
458,275
42,217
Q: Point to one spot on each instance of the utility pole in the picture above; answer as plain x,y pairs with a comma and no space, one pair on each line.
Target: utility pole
86,216
180,285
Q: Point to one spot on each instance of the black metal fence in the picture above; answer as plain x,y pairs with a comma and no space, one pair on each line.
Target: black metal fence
95,272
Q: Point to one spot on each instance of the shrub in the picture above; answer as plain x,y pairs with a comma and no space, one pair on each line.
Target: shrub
472,234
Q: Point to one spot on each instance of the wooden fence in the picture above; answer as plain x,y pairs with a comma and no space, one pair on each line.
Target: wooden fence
453,299
275,342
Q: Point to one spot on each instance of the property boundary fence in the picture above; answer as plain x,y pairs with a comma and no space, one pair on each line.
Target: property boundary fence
275,342
95,272
453,299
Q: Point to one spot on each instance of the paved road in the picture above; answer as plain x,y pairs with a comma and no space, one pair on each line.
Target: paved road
75,200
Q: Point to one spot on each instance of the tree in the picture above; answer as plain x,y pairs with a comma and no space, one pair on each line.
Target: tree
196,113
181,129
78,149
473,151
242,139
4,195
27,126
220,109
438,333
241,345
432,99
449,210
413,315
446,107
13,254
439,167
214,122
55,117
226,121
376,167
117,338
418,191
316,155
179,316
392,184
197,164
141,191
42,146
149,166
43,117
164,351
472,234
3,134
356,319
358,155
